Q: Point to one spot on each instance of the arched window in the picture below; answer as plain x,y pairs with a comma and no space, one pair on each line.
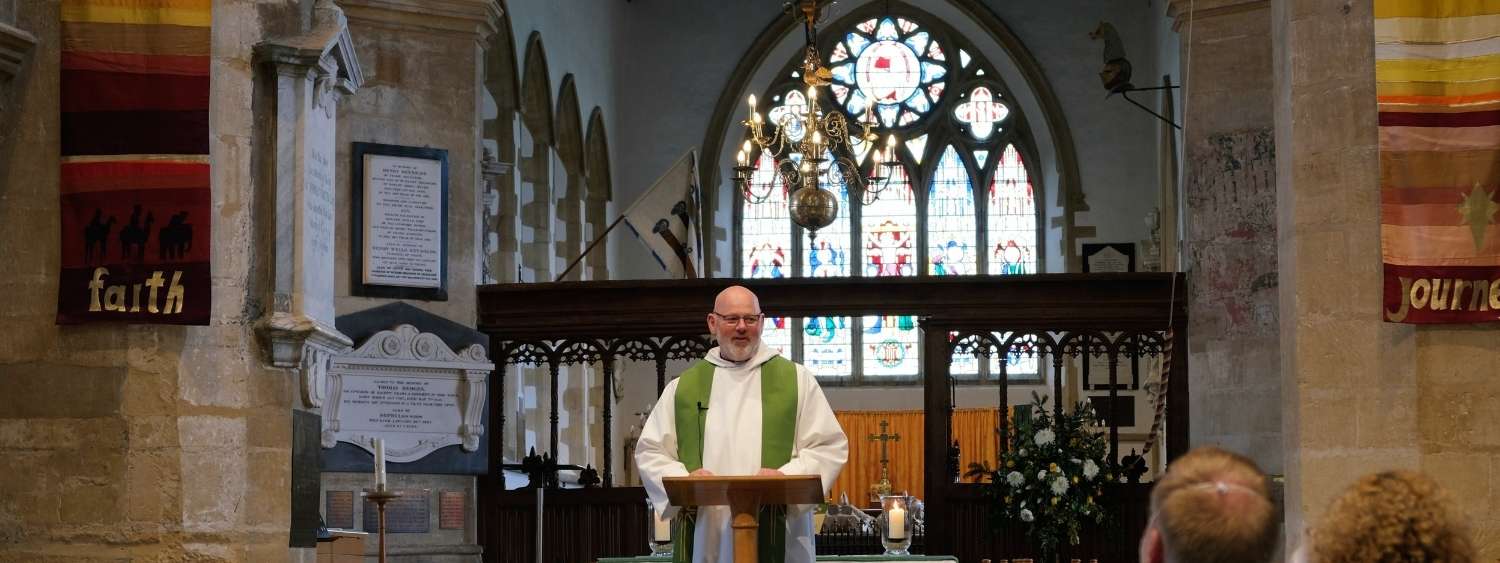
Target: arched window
960,202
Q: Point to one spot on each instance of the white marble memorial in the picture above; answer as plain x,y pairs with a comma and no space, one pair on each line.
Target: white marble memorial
409,389
312,72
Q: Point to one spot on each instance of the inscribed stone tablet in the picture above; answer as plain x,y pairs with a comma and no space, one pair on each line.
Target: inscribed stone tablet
451,510
340,511
407,514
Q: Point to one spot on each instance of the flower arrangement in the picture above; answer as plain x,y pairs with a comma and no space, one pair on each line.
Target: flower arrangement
1051,476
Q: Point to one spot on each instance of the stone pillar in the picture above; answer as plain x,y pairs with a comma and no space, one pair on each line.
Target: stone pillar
15,48
1360,395
1230,238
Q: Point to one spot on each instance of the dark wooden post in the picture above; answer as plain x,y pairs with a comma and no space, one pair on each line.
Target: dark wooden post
609,392
553,365
936,355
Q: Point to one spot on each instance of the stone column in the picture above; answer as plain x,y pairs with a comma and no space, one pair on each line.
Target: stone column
1230,238
1349,381
311,72
15,48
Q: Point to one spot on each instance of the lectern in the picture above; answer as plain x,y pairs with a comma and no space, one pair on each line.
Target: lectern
744,496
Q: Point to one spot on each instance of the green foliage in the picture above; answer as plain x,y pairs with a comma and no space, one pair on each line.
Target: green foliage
1051,476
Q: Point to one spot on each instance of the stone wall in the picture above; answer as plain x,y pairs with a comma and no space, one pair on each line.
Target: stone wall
140,442
1362,395
1229,240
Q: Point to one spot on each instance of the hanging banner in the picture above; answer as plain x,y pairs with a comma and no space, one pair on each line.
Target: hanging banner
136,203
1437,74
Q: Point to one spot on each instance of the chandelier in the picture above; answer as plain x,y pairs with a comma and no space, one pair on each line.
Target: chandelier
811,149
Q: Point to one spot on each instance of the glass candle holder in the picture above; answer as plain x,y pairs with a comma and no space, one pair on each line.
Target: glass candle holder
896,524
659,532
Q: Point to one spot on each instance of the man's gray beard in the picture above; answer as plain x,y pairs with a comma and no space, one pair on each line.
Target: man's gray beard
749,351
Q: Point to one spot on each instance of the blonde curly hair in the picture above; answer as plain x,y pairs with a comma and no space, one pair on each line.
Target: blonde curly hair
1392,517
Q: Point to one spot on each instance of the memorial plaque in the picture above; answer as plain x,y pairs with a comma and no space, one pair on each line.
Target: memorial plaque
340,510
451,510
1109,257
401,233
407,514
408,388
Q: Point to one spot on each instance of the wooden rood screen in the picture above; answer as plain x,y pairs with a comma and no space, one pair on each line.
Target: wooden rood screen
1114,319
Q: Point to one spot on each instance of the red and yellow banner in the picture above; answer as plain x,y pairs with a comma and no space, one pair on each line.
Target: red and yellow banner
136,201
1437,75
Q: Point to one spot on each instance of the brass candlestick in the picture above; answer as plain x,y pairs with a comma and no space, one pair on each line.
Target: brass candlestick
380,496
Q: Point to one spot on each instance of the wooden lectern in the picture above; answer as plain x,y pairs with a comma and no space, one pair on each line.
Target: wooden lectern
744,496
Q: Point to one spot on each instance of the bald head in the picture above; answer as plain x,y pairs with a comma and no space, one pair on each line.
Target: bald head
1212,506
736,297
735,323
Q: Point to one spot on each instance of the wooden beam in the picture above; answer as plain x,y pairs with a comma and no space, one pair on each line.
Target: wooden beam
616,309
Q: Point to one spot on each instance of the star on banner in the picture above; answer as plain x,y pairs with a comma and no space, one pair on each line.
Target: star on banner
1478,211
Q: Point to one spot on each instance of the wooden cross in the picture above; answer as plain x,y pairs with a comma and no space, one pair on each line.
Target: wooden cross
883,438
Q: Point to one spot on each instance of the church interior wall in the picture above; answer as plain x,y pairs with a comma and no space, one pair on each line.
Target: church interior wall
140,442
1362,395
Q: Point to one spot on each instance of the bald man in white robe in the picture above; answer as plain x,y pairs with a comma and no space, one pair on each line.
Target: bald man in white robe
732,431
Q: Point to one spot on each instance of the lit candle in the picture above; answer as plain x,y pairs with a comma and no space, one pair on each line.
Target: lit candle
817,140
746,147
379,463
752,102
755,117
896,517
890,147
812,93
740,158
662,530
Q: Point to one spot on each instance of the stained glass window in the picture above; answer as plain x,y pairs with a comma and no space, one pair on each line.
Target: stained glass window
827,254
888,229
766,229
1021,364
887,67
1012,217
893,71
981,112
951,223
827,346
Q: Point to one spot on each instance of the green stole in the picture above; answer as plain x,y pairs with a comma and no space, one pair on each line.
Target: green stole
778,401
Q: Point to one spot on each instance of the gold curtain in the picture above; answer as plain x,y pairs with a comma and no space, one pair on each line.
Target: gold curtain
975,430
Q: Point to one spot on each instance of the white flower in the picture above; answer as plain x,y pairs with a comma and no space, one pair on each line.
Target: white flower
1090,469
1041,475
1059,485
1026,515
1015,478
1044,437
1022,452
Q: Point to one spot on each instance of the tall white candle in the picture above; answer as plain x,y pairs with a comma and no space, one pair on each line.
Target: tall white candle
896,516
379,463
662,531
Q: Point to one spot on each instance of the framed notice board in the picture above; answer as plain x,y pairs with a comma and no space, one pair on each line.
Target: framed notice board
399,233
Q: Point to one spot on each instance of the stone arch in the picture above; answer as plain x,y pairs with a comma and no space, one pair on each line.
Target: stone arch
1056,163
568,244
498,238
597,194
536,91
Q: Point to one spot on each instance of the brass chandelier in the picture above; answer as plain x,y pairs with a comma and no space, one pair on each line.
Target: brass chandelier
812,150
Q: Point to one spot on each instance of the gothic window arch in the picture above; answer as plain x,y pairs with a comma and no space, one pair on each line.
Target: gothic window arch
963,200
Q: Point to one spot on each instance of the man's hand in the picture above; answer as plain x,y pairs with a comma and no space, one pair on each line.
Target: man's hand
700,473
764,471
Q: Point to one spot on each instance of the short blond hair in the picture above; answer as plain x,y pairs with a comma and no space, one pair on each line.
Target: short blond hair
1392,516
1213,506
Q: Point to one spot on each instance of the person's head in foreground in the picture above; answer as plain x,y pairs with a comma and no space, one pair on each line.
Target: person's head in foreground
735,323
1211,506
1390,517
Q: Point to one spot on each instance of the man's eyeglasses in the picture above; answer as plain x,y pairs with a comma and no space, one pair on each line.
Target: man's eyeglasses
731,320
